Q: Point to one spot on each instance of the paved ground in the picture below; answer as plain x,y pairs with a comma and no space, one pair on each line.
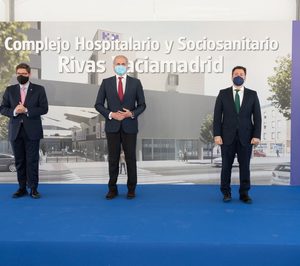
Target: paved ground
150,172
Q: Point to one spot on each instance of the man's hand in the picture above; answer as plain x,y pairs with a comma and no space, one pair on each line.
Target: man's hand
20,109
117,116
120,115
255,141
126,113
218,140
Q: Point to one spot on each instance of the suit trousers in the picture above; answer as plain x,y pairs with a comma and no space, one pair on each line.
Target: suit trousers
244,155
26,154
128,141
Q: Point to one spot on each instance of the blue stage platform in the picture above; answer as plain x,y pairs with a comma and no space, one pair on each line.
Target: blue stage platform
165,225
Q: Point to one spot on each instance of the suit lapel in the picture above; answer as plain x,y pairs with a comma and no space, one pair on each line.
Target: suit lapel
17,93
114,86
28,94
128,81
230,95
245,99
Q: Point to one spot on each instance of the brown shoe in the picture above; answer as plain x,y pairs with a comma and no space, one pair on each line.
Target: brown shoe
111,194
130,195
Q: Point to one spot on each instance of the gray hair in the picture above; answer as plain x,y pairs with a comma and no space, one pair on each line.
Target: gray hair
120,56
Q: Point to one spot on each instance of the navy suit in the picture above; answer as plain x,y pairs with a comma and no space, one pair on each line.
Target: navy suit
25,130
124,131
236,130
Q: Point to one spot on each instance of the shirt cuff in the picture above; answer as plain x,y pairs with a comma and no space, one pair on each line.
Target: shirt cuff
109,116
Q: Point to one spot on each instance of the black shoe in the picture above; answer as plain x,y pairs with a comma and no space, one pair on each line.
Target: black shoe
21,192
111,194
246,199
227,197
130,195
35,194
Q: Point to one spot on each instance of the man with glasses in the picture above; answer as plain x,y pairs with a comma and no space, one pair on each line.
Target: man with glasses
24,103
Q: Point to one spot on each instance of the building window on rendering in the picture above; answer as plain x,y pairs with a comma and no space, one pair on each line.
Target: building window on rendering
278,135
173,80
273,124
279,123
35,73
273,113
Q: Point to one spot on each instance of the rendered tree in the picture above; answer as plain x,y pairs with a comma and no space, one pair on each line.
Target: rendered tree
280,85
9,60
206,133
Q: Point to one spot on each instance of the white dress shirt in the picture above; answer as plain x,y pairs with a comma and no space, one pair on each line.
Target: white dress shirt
26,85
124,87
241,93
123,82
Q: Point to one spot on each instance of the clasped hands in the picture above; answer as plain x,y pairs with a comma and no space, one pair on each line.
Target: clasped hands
120,115
20,109
218,140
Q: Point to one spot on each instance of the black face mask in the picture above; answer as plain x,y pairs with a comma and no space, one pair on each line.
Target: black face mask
22,79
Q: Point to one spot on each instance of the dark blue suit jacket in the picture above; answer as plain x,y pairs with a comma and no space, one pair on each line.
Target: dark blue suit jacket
227,122
36,104
108,101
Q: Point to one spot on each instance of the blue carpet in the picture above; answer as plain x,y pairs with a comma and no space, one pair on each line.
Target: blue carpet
164,225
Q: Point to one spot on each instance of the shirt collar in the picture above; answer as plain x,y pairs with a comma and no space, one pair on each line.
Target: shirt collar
241,89
124,76
26,85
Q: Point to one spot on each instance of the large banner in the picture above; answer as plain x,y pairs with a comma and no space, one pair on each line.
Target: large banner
182,66
295,178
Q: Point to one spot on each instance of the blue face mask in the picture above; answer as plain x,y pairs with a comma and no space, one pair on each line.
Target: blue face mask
120,70
238,81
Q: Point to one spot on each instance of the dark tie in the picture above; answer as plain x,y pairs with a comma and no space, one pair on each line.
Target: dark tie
237,101
120,89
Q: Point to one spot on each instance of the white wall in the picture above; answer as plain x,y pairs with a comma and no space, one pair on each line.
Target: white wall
129,10
3,11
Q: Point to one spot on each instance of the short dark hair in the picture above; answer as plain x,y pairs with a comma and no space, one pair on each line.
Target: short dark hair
239,67
24,66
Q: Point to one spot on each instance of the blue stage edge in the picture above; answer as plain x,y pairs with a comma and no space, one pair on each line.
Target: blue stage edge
165,225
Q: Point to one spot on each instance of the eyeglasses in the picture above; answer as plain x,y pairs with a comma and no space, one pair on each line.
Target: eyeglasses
22,73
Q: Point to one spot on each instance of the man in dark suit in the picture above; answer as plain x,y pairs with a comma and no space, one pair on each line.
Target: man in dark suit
24,103
237,126
121,100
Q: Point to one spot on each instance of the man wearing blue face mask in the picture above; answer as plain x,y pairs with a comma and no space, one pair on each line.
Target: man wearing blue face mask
237,126
121,100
